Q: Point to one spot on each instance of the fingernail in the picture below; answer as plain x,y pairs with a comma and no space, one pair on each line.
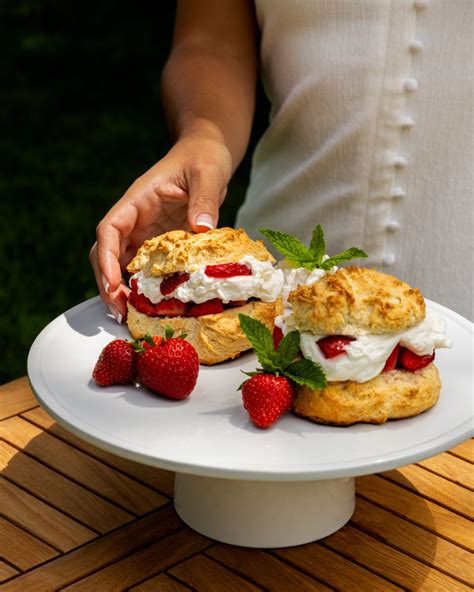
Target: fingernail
206,221
105,283
116,314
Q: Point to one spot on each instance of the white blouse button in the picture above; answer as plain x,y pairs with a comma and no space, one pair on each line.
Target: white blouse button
389,259
392,225
398,192
416,46
400,162
411,85
407,122
420,4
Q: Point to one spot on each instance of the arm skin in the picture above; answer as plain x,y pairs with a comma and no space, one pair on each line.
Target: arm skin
208,93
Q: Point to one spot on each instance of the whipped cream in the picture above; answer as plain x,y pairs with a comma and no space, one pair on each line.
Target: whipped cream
265,283
366,356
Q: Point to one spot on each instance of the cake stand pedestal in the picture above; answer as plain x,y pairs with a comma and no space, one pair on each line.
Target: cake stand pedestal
264,514
288,485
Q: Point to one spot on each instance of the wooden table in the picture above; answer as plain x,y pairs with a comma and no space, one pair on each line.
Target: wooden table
74,517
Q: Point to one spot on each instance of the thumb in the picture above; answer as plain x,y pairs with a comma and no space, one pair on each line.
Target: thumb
206,191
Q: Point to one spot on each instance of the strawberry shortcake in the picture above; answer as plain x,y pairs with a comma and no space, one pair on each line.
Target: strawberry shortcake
375,341
199,283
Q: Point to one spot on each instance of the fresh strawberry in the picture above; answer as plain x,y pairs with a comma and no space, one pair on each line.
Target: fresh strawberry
277,337
411,361
225,270
172,307
170,369
392,359
134,285
334,345
267,397
209,307
269,392
117,364
151,341
172,281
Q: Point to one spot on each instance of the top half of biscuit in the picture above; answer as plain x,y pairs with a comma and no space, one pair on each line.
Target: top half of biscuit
179,250
354,301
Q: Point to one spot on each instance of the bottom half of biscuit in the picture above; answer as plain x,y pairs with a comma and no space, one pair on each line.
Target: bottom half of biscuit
216,337
391,395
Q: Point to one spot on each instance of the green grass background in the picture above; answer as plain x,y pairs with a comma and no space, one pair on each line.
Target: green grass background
80,119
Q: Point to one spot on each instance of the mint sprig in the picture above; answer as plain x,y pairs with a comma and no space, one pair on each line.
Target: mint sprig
282,361
311,257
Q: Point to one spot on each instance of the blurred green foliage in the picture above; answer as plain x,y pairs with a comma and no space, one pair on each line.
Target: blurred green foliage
80,118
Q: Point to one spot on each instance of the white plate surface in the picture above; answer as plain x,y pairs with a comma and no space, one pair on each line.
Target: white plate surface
210,433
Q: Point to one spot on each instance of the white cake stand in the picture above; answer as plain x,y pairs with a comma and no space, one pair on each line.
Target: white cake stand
288,485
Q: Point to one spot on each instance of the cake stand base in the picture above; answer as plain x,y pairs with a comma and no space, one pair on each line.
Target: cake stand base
263,514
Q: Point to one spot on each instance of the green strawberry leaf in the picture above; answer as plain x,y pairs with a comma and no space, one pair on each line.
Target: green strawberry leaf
306,372
318,245
262,342
288,349
291,247
351,253
168,332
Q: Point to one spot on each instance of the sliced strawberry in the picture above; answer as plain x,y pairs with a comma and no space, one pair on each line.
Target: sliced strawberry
209,307
225,270
334,345
391,362
134,285
170,308
172,281
141,303
277,336
411,361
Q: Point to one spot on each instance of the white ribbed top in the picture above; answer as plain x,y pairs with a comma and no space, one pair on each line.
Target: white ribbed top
371,135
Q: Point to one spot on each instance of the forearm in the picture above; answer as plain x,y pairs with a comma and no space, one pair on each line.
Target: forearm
208,87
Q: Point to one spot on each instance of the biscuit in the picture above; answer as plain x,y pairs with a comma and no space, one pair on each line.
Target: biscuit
390,395
355,300
216,337
179,250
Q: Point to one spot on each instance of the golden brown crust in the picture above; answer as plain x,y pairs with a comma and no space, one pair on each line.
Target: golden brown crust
356,300
216,337
179,250
391,395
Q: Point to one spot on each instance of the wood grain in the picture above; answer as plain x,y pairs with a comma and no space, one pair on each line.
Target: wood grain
22,549
16,397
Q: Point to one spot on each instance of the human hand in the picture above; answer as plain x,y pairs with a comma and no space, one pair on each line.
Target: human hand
183,190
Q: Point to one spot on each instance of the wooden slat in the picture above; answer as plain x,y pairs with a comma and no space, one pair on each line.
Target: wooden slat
145,563
390,563
451,467
334,569
435,488
99,553
414,540
158,479
161,583
464,450
203,573
63,494
22,549
264,569
41,520
6,572
76,465
16,397
427,514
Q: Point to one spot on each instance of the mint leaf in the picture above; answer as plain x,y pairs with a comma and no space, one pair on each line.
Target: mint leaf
318,245
288,349
262,341
291,247
306,372
351,253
